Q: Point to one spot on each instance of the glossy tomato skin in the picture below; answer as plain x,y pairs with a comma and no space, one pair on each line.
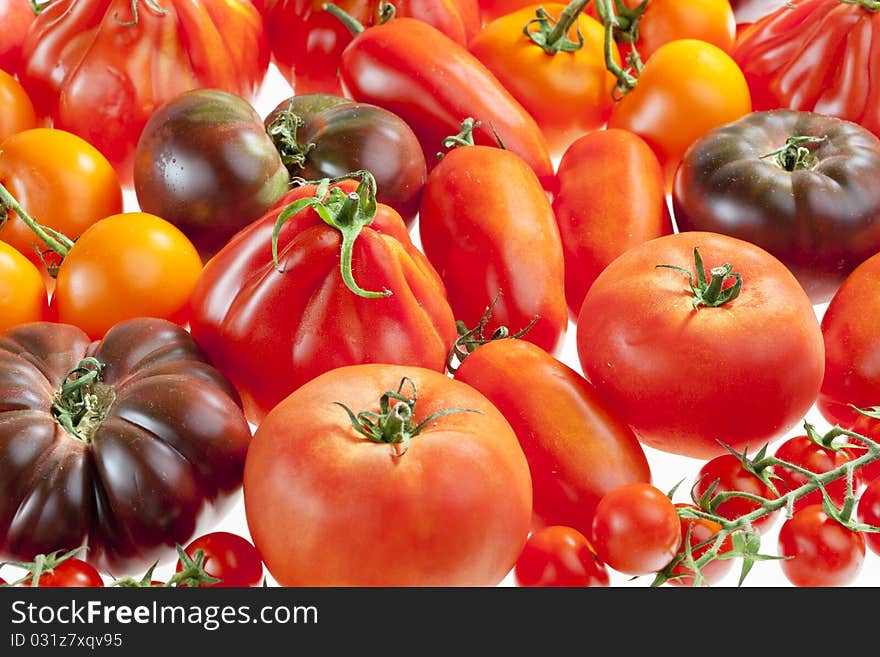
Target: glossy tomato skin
18,110
868,511
168,455
61,180
725,474
852,372
307,41
870,427
23,295
802,56
672,370
71,572
487,227
16,17
436,91
127,265
568,93
820,220
636,530
556,556
205,163
94,73
803,452
821,552
577,448
327,507
696,531
228,557
599,221
340,136
687,88
259,324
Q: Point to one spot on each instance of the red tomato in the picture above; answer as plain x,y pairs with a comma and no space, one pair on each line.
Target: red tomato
803,452
568,92
687,88
228,557
577,448
16,17
672,366
99,68
849,329
696,531
599,221
23,295
559,556
868,511
869,427
725,474
815,55
127,265
18,111
820,551
636,529
483,209
71,572
337,499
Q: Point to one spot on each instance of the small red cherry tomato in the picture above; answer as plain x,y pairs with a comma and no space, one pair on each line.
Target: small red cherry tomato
559,556
698,531
868,511
228,557
727,474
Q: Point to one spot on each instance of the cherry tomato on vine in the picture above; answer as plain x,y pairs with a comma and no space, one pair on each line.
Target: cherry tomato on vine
636,529
868,512
687,88
71,572
725,474
23,295
820,551
869,427
805,453
18,111
697,531
127,265
559,556
228,557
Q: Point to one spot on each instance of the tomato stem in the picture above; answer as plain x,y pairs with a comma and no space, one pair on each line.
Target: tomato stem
354,25
56,242
42,563
794,156
870,5
282,131
710,292
611,19
552,35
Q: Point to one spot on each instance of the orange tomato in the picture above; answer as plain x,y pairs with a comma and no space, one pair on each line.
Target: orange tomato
127,265
567,92
687,88
59,179
23,296
18,111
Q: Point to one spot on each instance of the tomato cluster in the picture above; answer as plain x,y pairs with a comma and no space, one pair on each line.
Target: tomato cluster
430,309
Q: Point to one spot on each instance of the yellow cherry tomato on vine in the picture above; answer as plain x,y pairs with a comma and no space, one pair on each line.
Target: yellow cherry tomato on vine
127,265
23,296
687,88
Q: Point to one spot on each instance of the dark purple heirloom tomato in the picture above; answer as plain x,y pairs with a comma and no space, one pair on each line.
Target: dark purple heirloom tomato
128,445
803,186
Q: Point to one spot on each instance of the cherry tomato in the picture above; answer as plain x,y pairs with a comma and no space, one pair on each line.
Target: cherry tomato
701,530
803,452
687,88
23,295
71,572
820,551
18,111
559,556
127,265
228,557
727,474
869,427
60,180
868,512
636,529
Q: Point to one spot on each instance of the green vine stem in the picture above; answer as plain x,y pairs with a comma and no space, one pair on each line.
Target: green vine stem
42,564
621,24
740,532
551,34
794,156
55,241
192,574
714,291
347,213
394,423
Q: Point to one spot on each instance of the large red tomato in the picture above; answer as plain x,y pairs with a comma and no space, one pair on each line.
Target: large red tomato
387,475
99,68
698,337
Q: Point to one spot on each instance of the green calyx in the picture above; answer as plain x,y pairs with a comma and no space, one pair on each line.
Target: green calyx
394,424
347,213
551,34
282,131
713,291
82,402
152,5
795,155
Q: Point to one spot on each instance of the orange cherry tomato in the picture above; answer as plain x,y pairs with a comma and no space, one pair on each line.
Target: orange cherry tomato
59,179
127,265
23,296
687,88
18,111
567,92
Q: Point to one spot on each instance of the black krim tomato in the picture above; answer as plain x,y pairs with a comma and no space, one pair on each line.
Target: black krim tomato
802,185
205,163
128,445
326,136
